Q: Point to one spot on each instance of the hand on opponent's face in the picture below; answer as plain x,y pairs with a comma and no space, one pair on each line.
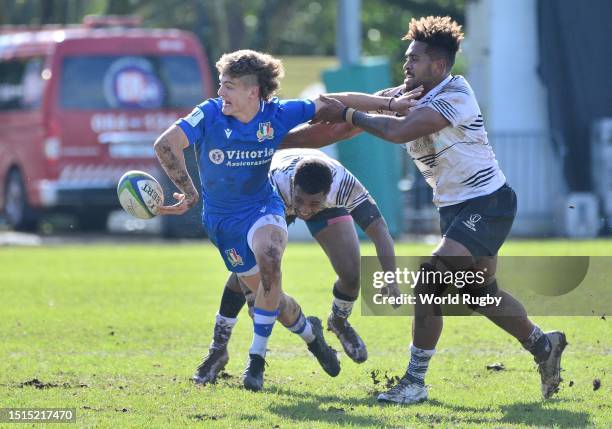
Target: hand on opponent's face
407,101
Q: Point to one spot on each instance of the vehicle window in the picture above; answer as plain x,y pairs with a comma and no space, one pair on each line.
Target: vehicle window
101,82
21,84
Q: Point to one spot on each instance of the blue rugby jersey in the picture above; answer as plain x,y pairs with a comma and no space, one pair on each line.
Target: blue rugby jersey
234,158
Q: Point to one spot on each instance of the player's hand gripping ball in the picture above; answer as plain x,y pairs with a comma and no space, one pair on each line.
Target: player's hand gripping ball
140,194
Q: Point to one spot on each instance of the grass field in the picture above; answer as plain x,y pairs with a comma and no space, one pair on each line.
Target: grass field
116,332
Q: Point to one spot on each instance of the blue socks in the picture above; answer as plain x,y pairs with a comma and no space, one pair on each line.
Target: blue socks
263,322
303,328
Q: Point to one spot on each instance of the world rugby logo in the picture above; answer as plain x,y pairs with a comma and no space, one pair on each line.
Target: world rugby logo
216,156
471,222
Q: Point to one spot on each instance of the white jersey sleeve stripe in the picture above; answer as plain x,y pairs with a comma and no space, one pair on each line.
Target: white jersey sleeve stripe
446,110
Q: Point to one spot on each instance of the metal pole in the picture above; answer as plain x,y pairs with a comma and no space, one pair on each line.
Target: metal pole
348,32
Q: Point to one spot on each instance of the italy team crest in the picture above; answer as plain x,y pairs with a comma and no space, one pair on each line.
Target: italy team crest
265,131
234,258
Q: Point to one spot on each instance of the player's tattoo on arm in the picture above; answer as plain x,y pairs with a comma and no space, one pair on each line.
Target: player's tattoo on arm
380,126
176,169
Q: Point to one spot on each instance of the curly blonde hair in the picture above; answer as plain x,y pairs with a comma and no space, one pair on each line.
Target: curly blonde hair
442,35
267,70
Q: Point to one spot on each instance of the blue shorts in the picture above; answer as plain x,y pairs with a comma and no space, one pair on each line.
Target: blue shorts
229,233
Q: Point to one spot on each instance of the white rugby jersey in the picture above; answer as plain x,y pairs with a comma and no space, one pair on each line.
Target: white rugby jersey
457,161
346,191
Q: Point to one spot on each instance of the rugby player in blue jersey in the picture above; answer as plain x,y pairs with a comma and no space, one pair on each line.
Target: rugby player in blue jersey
235,136
329,198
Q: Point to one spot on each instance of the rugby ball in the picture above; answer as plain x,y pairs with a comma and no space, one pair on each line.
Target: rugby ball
140,194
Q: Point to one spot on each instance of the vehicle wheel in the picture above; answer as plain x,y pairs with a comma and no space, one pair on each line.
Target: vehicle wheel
17,210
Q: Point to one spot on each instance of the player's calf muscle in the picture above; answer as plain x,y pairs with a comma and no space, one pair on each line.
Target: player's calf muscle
349,280
289,310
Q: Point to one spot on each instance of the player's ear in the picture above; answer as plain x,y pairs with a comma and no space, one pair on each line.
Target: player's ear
440,66
250,82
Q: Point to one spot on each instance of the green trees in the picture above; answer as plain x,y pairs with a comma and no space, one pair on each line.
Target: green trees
282,27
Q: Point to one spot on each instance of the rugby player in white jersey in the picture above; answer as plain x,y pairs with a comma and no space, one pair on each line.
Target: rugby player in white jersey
444,134
328,197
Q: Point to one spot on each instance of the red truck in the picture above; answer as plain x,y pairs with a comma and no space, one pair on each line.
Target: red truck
81,105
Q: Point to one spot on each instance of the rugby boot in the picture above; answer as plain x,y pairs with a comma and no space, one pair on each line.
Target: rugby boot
211,366
405,392
353,345
550,369
253,374
217,357
321,350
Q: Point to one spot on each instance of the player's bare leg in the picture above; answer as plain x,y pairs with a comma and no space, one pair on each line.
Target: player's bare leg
311,331
340,243
511,316
426,327
290,316
268,245
427,324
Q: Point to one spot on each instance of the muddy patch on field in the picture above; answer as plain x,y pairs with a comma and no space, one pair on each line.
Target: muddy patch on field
37,384
388,381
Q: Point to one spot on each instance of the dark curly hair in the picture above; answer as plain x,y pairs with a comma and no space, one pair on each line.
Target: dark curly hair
265,68
442,35
313,176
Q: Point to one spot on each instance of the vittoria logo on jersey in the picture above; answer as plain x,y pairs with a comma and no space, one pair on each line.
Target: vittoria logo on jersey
241,158
471,222
265,131
216,156
233,257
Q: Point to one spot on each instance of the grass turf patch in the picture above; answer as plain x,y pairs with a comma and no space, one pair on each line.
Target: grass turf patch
116,332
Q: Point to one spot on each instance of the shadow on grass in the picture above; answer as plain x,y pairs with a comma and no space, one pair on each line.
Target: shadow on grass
541,414
324,408
535,413
318,407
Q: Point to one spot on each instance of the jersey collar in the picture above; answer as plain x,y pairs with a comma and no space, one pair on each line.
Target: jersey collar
436,89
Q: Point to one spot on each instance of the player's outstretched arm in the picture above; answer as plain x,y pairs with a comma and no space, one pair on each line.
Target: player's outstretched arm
317,134
379,234
417,123
385,250
314,136
377,103
169,149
